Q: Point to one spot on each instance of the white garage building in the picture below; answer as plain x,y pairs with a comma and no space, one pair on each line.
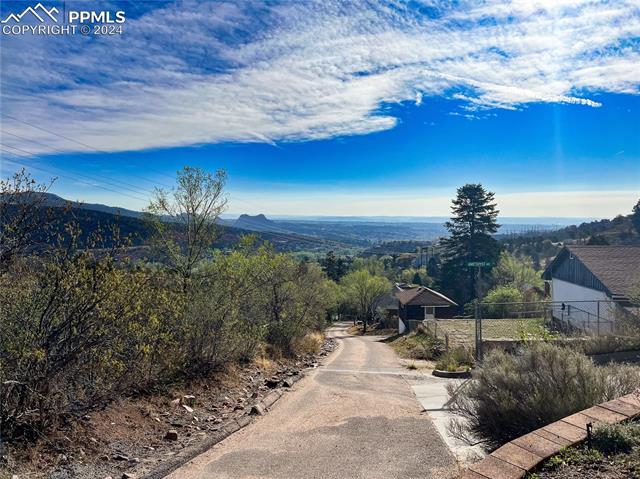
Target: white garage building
591,285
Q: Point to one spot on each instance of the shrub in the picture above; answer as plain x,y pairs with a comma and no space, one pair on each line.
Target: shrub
616,438
310,343
456,359
511,395
78,330
607,344
80,324
535,330
419,344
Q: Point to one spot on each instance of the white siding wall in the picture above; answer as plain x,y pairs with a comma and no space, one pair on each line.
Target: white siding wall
571,294
401,327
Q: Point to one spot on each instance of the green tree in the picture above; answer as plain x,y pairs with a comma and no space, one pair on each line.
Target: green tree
516,272
415,276
433,267
334,266
497,300
184,219
373,264
362,290
597,240
635,216
471,226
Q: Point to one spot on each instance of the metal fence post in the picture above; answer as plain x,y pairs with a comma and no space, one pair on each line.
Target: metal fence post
477,314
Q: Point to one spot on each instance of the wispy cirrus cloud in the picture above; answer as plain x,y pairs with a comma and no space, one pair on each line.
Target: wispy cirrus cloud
200,72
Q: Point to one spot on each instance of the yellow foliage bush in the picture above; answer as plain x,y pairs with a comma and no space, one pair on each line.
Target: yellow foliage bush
310,343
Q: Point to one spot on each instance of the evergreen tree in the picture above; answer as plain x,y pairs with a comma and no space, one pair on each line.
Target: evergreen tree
334,266
433,268
635,216
471,226
597,240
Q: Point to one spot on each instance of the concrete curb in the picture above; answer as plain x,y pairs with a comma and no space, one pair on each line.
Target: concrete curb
517,457
439,373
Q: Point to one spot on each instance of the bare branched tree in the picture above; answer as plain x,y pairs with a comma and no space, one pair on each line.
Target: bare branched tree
184,218
23,215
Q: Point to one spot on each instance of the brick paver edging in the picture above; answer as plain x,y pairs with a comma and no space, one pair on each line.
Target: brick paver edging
516,458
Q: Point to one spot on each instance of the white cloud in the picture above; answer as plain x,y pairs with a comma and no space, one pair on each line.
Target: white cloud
200,72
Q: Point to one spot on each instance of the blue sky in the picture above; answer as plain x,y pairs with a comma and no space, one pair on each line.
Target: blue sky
337,108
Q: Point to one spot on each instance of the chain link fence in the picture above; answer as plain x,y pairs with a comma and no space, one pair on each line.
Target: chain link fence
603,325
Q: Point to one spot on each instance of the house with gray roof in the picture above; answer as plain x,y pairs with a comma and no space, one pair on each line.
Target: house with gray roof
417,304
594,284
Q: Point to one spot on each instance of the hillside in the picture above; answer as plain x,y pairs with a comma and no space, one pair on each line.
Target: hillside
138,231
55,201
256,223
619,230
543,246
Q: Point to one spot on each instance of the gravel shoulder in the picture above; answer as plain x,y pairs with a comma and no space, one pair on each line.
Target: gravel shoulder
138,436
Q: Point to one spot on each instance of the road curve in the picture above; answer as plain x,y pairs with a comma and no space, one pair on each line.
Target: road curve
353,417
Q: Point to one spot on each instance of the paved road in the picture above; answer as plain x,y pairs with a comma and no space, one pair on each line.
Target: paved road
353,417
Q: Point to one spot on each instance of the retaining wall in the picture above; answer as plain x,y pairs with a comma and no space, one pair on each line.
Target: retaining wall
517,457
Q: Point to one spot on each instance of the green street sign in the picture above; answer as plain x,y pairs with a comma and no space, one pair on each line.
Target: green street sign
479,264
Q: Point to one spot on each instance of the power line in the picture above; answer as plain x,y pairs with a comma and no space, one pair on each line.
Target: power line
276,235
69,176
93,178
126,185
292,235
85,145
284,235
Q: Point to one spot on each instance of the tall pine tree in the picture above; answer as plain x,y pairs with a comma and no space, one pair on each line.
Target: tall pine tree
635,216
470,241
334,266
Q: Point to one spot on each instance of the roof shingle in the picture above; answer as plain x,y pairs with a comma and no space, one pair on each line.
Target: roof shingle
617,267
423,296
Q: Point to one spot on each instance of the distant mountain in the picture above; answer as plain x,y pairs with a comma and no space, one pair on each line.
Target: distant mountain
256,223
54,201
90,217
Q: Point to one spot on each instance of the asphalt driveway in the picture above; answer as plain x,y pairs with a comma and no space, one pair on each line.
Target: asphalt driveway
353,417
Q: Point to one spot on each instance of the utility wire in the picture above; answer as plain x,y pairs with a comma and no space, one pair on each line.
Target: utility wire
124,184
292,235
86,146
66,175
93,178
286,236
279,232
